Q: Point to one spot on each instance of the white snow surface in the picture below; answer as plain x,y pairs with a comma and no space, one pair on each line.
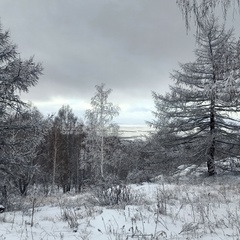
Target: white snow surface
208,210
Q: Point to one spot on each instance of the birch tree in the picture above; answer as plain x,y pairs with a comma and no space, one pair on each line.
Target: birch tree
201,107
99,120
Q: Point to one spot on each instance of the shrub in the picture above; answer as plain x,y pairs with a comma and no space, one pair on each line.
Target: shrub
69,215
116,195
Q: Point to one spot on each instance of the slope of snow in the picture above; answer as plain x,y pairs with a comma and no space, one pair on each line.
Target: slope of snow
208,210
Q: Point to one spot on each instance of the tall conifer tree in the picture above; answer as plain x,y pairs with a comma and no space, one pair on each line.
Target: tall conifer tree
201,104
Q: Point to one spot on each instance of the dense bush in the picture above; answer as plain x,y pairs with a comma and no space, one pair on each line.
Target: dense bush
116,195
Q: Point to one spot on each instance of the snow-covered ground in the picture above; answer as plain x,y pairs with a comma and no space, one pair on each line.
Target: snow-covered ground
135,131
209,209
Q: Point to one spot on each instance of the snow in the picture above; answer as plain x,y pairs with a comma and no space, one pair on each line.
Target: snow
206,210
133,132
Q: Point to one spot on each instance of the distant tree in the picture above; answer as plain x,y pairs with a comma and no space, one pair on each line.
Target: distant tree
137,165
99,120
113,155
200,10
201,108
66,137
56,144
165,156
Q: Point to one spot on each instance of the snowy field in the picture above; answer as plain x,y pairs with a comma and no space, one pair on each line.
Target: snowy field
206,209
133,132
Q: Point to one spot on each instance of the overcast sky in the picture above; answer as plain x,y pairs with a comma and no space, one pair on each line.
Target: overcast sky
130,45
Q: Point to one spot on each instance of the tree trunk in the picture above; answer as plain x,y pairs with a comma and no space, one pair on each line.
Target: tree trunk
211,160
54,161
212,148
102,157
5,196
23,186
54,166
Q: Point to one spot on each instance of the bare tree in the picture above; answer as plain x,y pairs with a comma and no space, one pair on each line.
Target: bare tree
200,107
63,147
20,148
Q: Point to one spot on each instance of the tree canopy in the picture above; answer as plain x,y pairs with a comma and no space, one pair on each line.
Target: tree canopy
99,119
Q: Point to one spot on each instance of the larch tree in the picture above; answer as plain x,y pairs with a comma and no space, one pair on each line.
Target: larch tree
201,107
99,120
16,75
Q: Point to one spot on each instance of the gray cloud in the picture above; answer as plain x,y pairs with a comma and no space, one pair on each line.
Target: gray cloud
132,46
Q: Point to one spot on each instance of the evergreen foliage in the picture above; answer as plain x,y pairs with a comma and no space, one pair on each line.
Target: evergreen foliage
20,126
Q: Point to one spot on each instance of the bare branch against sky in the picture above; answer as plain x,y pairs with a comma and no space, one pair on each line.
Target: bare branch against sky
131,46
